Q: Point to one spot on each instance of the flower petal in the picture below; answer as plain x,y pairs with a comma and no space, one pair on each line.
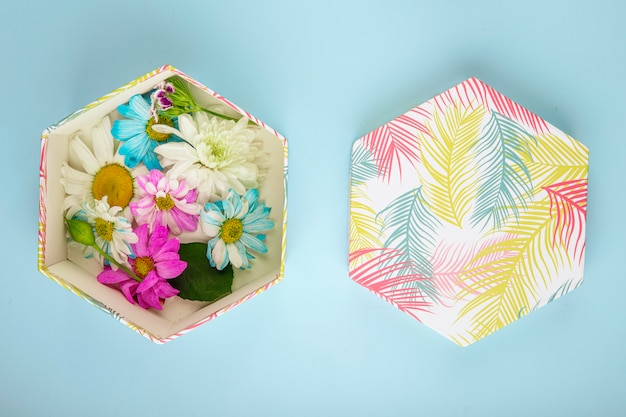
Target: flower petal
109,276
219,255
129,289
253,243
164,290
229,209
140,106
177,151
236,257
148,282
210,229
187,128
168,130
135,148
257,226
74,181
103,141
141,247
237,205
214,218
157,239
151,161
85,156
166,256
126,111
171,246
149,299
170,269
127,128
251,196
245,263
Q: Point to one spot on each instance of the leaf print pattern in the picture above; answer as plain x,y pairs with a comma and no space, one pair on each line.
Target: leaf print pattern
447,158
413,229
506,182
568,205
505,105
556,159
450,261
468,212
365,226
510,283
394,143
363,166
386,275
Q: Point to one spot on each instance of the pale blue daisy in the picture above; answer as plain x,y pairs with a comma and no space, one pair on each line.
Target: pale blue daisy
235,225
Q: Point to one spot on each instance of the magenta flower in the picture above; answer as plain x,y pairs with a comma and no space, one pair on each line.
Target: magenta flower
160,97
156,260
166,202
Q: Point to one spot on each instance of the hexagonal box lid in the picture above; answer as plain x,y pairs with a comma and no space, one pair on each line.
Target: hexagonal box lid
468,212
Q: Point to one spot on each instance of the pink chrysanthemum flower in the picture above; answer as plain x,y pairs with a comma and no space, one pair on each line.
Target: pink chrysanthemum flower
166,202
156,260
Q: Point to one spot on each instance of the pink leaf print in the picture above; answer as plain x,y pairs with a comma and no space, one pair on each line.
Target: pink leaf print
390,281
568,204
450,260
457,96
396,141
505,105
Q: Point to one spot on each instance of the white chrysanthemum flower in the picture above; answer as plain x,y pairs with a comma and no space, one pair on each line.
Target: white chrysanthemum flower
113,232
217,154
103,173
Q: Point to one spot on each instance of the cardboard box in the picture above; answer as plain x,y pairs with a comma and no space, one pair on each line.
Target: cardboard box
78,275
468,212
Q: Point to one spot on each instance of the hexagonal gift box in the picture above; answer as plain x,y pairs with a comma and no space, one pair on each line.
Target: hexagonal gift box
63,263
468,212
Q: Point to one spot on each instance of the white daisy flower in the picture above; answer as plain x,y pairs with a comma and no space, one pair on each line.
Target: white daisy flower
113,232
217,154
103,172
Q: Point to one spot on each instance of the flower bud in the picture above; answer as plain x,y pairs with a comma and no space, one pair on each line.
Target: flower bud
80,231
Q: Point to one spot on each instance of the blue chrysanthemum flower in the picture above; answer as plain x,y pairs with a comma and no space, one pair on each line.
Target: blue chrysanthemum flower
235,225
137,134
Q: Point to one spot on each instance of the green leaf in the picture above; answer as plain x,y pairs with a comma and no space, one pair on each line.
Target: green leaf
185,103
81,231
200,281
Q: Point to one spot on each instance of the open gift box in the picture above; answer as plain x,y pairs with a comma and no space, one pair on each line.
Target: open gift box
65,264
468,212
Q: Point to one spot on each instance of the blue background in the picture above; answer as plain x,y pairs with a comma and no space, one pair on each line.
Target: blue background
323,74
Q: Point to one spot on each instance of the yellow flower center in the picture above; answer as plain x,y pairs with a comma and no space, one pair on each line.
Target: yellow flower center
164,203
157,136
142,266
104,229
115,182
219,150
214,151
232,229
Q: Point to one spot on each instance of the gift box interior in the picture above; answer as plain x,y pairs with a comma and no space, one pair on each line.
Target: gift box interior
67,265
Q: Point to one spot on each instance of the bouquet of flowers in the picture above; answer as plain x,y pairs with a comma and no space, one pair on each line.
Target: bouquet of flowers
166,198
